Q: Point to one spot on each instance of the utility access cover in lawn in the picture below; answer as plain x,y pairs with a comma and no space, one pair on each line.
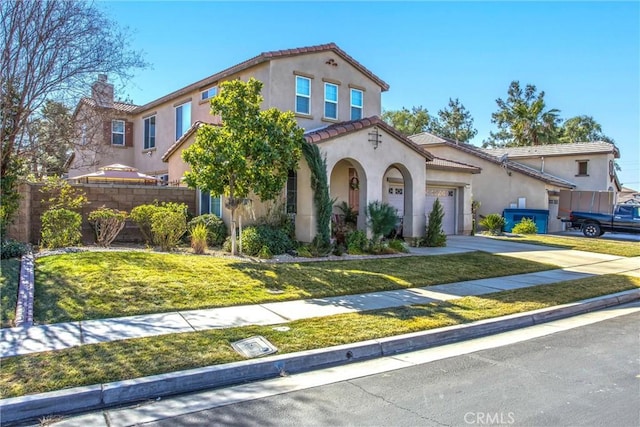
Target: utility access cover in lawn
254,347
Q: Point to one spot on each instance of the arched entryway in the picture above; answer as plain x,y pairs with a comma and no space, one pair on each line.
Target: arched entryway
397,191
348,184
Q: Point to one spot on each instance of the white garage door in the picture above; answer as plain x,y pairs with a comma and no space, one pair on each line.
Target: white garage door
395,198
447,197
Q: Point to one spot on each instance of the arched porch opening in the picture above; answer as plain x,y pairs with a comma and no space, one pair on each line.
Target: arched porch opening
348,187
397,191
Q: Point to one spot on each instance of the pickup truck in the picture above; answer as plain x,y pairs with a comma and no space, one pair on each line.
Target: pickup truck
625,219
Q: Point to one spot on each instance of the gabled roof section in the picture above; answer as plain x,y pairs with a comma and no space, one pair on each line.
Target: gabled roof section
577,148
265,57
446,164
427,138
194,127
344,128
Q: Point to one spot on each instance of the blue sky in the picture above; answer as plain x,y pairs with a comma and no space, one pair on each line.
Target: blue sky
584,55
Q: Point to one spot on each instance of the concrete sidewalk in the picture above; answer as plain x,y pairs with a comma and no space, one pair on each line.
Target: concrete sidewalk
575,265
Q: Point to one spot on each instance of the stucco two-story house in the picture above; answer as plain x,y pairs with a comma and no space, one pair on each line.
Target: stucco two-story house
531,177
335,99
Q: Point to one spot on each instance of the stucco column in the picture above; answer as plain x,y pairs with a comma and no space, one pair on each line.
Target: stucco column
306,210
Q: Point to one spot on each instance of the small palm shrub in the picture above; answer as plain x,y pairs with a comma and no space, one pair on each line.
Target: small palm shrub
357,243
525,226
107,223
60,228
435,237
199,237
382,219
167,227
493,223
216,228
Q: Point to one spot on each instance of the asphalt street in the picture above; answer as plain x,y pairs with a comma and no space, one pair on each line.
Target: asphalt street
586,376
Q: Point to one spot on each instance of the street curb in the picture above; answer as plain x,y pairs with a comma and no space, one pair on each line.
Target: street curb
13,410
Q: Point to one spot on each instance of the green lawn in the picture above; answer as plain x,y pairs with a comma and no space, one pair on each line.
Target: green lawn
120,360
94,285
601,246
9,280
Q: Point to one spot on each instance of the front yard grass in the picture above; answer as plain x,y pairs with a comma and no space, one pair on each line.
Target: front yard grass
9,280
96,285
601,246
120,360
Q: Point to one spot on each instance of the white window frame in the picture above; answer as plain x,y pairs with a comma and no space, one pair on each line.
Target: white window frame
303,95
326,85
147,144
176,119
208,93
360,107
114,132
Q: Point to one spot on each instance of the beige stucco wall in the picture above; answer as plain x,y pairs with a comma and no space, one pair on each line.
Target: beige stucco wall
281,87
371,165
566,167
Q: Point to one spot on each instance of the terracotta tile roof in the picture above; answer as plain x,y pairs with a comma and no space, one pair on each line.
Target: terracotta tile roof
426,139
118,106
446,164
343,128
555,150
194,127
264,57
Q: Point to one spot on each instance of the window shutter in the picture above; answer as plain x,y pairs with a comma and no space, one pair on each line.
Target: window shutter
128,134
106,132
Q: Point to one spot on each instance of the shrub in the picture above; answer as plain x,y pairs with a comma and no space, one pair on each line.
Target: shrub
357,243
255,237
167,227
199,237
141,215
319,247
265,253
382,219
215,227
226,246
493,223
303,251
398,245
525,226
12,249
435,237
107,223
61,227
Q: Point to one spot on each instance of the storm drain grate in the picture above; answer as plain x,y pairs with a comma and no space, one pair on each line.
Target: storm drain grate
254,347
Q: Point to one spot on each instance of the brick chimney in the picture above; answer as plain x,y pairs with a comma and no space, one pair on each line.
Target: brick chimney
102,92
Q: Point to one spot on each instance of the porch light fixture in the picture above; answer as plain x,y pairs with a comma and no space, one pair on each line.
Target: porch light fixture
375,138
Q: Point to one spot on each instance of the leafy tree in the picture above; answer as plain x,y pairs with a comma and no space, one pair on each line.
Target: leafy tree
251,152
582,129
50,140
409,122
50,50
454,122
523,119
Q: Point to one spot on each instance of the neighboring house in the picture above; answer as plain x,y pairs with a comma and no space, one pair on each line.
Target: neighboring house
335,99
531,177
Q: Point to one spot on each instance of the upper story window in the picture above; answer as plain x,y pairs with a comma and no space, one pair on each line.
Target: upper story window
357,97
583,168
117,132
183,119
150,132
209,93
303,95
330,101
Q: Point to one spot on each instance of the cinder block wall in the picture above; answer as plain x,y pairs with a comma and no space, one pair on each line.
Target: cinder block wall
27,224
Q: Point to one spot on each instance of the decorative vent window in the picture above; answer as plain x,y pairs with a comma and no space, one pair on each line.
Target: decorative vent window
150,132
303,95
209,93
183,119
356,104
330,101
117,132
583,167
